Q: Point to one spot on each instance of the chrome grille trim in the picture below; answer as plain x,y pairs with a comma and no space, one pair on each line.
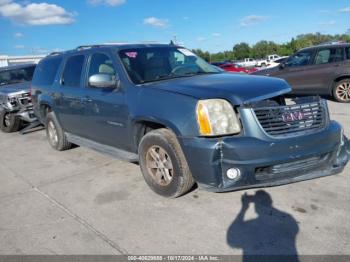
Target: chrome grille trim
313,117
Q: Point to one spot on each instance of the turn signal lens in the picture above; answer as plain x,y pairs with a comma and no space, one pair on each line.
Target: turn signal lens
203,120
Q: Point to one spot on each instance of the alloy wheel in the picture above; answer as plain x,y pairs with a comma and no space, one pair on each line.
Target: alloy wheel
52,132
343,91
159,165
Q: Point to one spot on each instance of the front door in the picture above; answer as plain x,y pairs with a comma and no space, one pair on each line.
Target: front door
296,70
105,108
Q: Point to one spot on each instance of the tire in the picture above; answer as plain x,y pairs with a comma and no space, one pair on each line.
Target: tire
55,134
263,65
341,91
174,177
9,122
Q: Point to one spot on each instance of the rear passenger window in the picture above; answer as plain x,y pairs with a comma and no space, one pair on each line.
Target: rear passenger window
330,55
46,71
72,71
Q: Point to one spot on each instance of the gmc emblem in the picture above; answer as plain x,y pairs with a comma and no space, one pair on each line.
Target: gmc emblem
293,116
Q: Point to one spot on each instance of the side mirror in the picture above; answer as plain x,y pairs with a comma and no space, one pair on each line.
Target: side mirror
103,81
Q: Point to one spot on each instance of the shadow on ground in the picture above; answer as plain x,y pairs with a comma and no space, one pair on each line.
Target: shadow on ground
273,232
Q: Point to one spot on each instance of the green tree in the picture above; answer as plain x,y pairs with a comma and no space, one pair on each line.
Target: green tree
241,50
263,48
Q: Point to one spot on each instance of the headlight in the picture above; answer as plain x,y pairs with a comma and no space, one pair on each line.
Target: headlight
216,117
12,100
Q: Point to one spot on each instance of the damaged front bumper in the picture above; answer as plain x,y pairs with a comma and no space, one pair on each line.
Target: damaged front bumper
20,104
264,161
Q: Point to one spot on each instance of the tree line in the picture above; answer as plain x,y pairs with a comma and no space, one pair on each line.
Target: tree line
263,48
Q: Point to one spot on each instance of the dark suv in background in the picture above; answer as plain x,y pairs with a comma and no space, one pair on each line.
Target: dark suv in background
184,120
322,70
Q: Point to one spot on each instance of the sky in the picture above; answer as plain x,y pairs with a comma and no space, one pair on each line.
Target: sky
42,26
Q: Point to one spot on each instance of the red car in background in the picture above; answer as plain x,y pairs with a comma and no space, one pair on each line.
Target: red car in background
235,68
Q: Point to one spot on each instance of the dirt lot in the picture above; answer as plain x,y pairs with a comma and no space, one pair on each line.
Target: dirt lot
82,202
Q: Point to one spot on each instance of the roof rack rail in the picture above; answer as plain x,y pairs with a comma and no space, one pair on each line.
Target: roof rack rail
334,42
54,53
82,47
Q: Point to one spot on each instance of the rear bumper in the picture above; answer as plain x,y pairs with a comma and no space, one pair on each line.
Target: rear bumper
266,161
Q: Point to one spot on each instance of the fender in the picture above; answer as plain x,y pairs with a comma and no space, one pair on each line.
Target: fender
42,99
338,78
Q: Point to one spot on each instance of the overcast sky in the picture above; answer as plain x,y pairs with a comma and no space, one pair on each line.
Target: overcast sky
42,26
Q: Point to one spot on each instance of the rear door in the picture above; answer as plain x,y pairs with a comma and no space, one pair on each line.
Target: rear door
67,97
106,113
324,70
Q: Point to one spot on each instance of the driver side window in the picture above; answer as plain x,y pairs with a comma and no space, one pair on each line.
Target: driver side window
302,58
101,64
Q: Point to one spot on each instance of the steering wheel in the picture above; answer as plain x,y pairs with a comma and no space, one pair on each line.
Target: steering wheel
182,68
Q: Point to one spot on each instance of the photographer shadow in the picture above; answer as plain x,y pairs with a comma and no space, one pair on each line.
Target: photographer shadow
273,233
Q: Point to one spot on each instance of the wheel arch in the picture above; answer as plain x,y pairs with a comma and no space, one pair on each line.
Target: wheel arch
141,126
342,77
44,108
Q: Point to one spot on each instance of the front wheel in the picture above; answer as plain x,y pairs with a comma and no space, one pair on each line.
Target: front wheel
341,91
9,122
163,164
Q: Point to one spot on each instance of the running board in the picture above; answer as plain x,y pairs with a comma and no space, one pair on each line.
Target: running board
32,127
104,149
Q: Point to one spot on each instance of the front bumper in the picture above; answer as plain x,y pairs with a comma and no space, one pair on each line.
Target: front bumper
27,115
265,161
22,108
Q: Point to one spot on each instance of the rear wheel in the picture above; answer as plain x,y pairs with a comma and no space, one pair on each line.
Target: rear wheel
55,134
9,122
163,164
341,91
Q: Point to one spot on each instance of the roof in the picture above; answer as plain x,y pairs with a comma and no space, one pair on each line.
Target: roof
117,46
17,66
328,44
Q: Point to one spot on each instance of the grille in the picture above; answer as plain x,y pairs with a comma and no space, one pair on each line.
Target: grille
291,119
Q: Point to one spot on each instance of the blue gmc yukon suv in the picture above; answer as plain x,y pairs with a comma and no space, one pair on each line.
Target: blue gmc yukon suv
183,120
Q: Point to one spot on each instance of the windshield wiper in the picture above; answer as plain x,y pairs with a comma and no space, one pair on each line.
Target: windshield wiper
173,76
200,73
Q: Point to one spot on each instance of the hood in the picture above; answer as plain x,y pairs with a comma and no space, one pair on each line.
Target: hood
14,88
236,88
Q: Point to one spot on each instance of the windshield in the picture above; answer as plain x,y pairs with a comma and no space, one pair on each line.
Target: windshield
18,75
151,64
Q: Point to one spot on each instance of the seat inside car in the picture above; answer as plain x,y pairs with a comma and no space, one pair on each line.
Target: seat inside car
106,69
156,66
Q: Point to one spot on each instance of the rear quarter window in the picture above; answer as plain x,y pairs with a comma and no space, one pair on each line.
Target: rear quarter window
46,71
347,51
